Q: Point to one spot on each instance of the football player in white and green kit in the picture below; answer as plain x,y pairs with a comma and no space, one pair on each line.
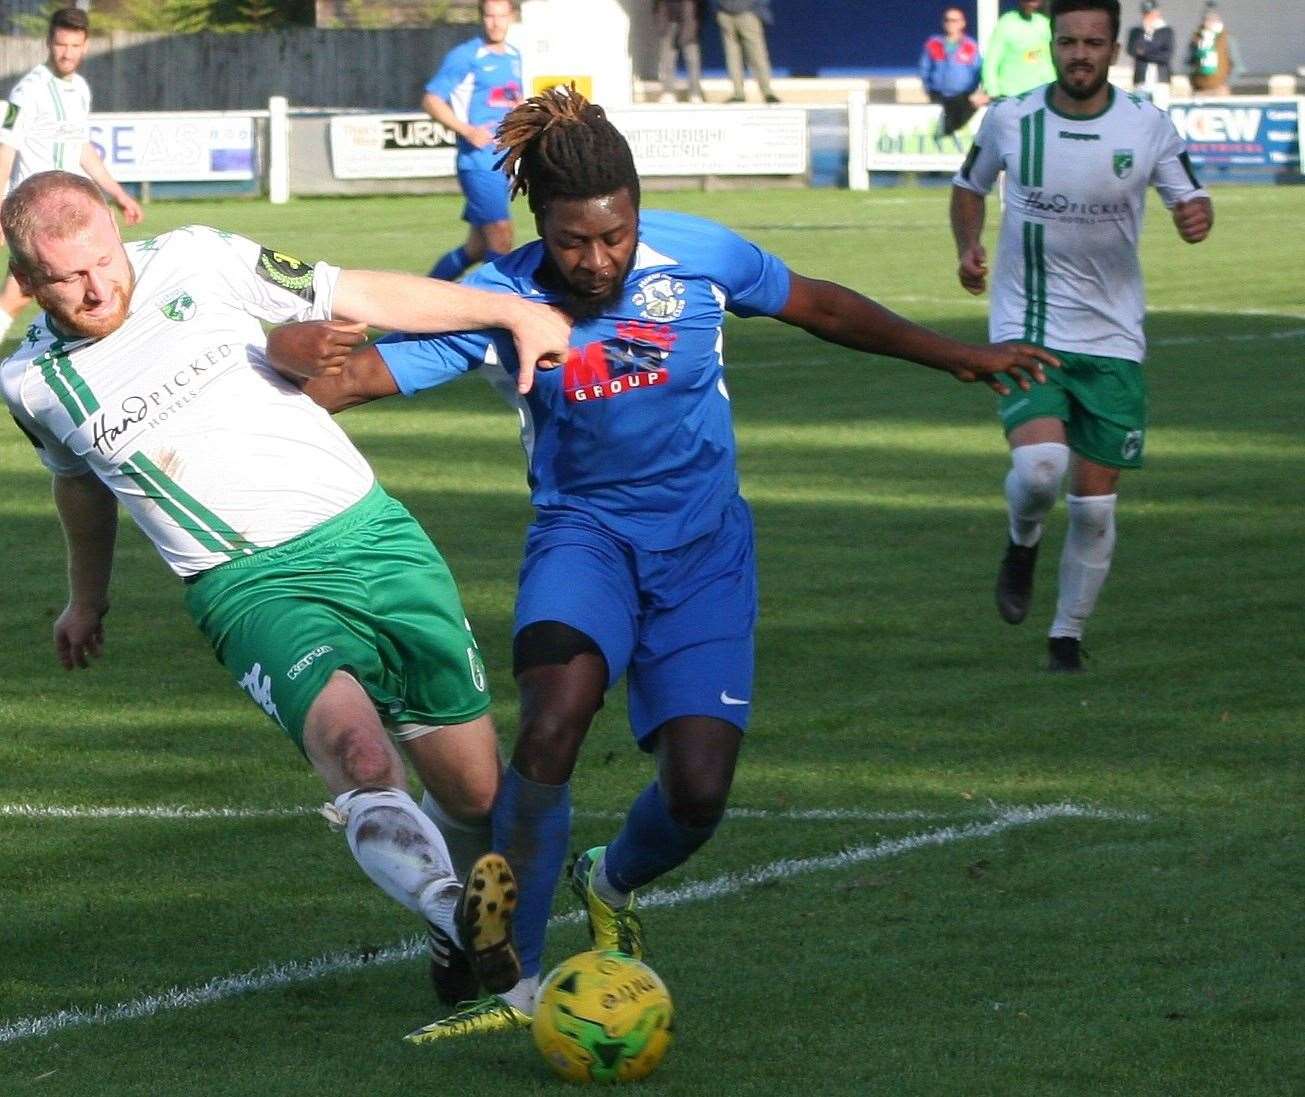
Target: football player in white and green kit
45,126
1079,156
145,384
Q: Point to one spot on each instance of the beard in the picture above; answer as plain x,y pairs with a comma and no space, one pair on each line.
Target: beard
75,320
581,307
586,306
1085,91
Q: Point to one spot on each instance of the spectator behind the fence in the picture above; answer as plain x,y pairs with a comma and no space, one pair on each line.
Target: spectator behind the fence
678,23
1018,55
1151,46
743,33
950,67
1212,57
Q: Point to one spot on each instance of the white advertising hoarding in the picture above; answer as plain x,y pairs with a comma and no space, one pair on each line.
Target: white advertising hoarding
907,137
716,141
677,141
183,148
391,146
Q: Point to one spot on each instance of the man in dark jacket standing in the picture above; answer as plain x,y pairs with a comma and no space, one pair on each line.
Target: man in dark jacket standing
1151,46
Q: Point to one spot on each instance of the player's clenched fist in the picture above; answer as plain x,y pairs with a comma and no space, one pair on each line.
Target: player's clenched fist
1194,219
973,269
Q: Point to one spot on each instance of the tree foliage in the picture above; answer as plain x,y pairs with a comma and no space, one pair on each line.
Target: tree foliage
183,16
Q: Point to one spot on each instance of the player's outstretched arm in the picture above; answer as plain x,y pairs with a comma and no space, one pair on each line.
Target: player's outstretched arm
89,515
967,210
1194,219
324,356
843,316
94,167
407,302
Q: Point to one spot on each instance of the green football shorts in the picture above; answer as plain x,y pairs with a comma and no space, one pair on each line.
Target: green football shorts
1101,401
365,591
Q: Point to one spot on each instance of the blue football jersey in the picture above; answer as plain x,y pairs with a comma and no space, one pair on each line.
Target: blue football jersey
634,429
481,85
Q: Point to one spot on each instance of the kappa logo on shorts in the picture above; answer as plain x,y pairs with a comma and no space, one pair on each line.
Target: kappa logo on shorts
259,687
307,661
477,670
1131,449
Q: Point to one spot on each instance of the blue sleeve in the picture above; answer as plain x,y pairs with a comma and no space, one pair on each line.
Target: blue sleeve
756,283
457,64
925,67
418,362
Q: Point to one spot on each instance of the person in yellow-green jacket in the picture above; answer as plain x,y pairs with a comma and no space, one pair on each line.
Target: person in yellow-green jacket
1018,55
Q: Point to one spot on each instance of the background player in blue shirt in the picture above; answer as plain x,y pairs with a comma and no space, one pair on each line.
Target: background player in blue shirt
476,86
640,559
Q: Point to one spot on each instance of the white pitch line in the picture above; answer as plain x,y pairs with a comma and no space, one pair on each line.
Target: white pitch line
181,811
295,971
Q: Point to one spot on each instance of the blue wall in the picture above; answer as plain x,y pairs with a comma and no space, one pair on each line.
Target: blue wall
811,37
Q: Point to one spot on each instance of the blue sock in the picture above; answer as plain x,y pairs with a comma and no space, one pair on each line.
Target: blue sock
450,265
532,825
650,842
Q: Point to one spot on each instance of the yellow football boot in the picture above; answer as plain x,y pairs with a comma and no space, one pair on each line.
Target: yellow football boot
485,1015
615,929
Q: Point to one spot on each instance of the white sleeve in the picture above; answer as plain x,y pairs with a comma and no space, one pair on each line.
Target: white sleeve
271,285
17,115
1173,176
983,163
54,455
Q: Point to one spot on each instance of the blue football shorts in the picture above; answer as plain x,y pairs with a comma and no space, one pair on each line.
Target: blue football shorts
487,196
678,624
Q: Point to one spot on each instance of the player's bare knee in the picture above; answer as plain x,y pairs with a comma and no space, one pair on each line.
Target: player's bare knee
364,757
470,799
549,743
698,803
1041,468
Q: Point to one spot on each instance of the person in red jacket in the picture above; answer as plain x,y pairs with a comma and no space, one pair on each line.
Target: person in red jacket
950,68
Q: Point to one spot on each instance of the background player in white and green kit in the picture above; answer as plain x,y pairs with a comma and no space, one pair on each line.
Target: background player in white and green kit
145,384
1079,157
45,126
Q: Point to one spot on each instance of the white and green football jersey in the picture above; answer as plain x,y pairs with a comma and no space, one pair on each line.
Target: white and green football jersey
1067,273
47,120
212,452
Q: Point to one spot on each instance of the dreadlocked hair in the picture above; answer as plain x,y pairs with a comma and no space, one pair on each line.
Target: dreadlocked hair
560,145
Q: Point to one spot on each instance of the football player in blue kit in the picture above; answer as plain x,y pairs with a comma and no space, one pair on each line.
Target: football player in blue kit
640,561
477,84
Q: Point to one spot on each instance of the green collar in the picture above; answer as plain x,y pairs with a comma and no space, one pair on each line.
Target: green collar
1110,102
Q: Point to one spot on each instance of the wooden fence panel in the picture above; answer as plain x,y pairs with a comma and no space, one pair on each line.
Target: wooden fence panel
370,69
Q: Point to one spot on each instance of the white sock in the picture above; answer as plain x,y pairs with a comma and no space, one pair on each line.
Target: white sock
1032,486
402,852
466,840
1085,561
607,891
522,996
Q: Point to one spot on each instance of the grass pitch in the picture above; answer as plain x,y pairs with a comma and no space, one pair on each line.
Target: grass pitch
1147,942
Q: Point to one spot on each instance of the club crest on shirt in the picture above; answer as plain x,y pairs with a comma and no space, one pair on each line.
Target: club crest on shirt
659,297
1123,162
178,307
